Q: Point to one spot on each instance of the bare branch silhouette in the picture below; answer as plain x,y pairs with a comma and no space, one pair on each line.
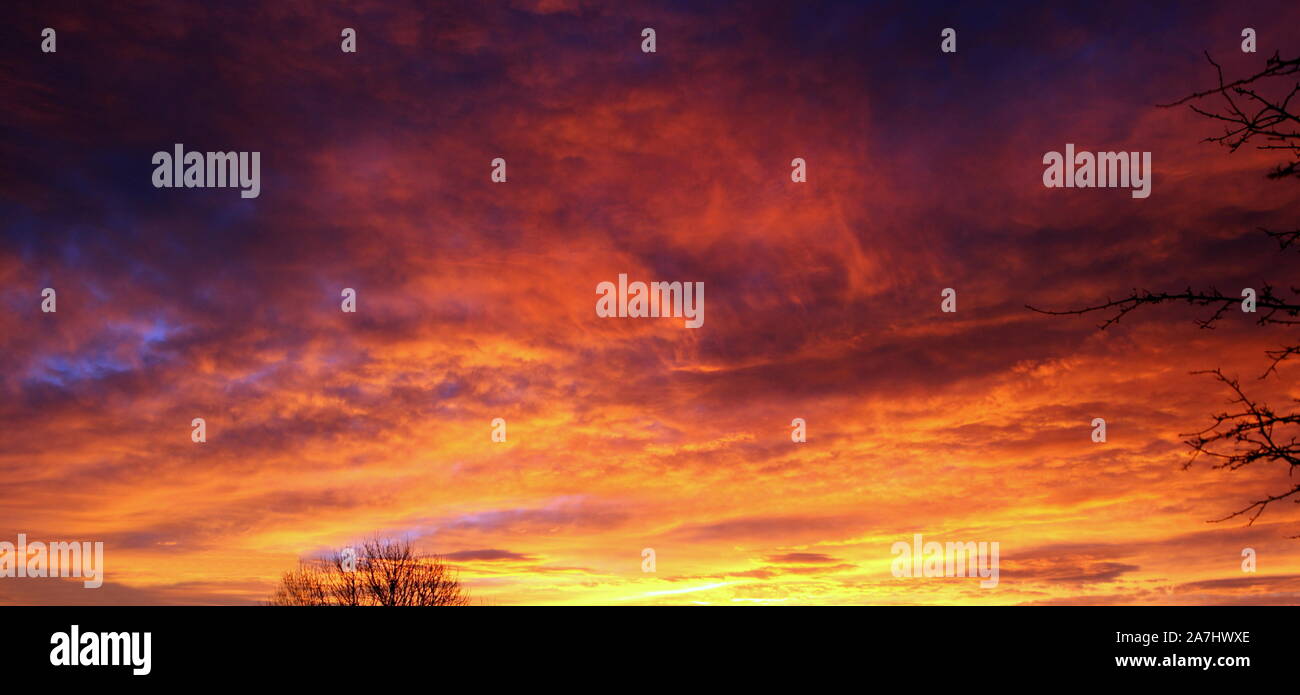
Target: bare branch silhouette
1275,309
1256,109
1250,433
1251,115
1284,239
1270,121
386,573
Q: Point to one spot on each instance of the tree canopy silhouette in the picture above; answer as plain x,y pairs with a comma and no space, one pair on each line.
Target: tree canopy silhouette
379,572
1253,110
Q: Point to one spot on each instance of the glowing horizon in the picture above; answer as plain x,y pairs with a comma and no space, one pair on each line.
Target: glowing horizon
475,301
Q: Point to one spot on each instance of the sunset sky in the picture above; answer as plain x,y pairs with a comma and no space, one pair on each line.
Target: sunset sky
475,300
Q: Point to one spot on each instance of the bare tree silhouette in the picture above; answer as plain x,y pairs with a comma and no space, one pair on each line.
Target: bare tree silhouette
382,573
1256,110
